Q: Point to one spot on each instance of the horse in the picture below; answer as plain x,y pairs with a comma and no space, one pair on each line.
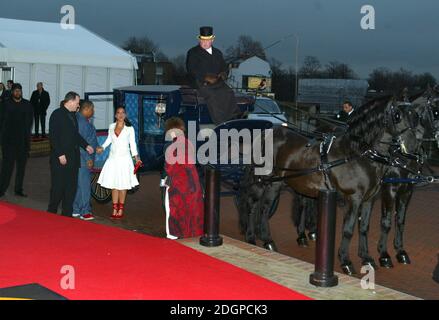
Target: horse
395,198
398,195
349,166
304,209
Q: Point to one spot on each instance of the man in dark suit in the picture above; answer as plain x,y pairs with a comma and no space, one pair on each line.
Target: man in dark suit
6,95
344,114
207,71
16,125
40,100
65,141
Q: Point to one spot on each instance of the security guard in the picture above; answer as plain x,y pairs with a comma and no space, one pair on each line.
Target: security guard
344,114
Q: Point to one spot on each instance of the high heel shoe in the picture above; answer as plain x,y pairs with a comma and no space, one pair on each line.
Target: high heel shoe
115,207
120,211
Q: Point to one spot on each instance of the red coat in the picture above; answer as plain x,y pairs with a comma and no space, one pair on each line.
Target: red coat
185,214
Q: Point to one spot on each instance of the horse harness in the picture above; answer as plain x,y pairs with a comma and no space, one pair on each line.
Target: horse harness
324,167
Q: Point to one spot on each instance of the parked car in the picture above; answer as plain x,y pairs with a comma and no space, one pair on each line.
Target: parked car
267,109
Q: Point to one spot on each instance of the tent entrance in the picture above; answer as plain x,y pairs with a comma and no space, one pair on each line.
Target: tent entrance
6,73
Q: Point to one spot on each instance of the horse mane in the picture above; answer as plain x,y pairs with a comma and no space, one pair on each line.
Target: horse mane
367,124
417,95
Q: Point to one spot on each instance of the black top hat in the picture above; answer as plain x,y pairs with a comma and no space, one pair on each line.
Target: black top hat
206,33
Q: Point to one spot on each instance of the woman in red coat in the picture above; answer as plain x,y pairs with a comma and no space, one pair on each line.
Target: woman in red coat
183,197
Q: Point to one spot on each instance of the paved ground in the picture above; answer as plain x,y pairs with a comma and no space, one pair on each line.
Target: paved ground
144,214
292,273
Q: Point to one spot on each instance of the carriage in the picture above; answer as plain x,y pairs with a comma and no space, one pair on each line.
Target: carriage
148,107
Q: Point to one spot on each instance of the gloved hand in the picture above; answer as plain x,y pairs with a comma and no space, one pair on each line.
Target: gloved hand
163,182
223,76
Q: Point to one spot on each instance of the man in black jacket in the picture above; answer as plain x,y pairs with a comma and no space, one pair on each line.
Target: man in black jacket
16,125
344,114
65,162
207,71
40,100
6,95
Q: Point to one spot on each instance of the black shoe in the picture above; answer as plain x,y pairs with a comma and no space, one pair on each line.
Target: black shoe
2,194
21,194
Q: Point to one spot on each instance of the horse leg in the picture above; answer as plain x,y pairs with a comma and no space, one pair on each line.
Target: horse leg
388,196
299,202
311,221
272,191
349,221
363,230
403,199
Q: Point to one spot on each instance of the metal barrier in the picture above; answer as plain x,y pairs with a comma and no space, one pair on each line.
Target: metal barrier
323,275
211,236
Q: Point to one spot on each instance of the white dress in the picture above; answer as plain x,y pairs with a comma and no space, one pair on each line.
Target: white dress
118,170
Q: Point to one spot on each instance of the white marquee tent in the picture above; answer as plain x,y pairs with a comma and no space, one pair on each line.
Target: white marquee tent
64,60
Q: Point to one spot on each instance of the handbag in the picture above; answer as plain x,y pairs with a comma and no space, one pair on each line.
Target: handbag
138,165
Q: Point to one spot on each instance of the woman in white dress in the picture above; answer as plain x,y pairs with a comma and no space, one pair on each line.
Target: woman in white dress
118,171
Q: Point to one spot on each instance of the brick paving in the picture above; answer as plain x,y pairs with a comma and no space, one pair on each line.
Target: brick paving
144,214
292,273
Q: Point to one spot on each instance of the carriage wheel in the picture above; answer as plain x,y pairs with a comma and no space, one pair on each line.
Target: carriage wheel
100,194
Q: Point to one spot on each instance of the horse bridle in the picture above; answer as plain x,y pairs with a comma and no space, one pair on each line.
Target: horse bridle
433,116
395,119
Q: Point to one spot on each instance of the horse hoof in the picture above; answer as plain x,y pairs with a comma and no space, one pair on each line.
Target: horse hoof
312,236
370,263
403,257
302,242
253,242
270,246
348,268
386,261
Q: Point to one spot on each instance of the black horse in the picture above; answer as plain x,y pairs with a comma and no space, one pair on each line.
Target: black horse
374,129
395,197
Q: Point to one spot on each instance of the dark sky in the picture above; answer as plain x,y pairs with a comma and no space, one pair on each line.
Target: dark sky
406,34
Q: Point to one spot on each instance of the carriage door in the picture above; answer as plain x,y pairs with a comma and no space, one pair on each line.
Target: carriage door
153,116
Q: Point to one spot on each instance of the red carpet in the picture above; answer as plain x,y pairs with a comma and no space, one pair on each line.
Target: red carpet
111,263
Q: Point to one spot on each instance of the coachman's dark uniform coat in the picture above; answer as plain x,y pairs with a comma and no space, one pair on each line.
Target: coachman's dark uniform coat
16,125
64,140
219,97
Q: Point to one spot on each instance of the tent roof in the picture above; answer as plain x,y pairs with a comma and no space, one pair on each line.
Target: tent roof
46,42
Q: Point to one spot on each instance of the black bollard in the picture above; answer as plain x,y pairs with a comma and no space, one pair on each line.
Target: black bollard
211,236
324,265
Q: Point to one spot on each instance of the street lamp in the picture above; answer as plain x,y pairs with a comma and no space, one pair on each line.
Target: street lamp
296,63
296,95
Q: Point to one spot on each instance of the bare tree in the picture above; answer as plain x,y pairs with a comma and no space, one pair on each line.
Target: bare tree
311,68
245,48
337,70
383,79
144,45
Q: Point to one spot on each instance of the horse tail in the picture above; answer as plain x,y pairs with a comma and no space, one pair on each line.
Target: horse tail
297,209
242,199
310,211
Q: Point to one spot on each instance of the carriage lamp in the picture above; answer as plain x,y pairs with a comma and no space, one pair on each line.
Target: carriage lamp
160,110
